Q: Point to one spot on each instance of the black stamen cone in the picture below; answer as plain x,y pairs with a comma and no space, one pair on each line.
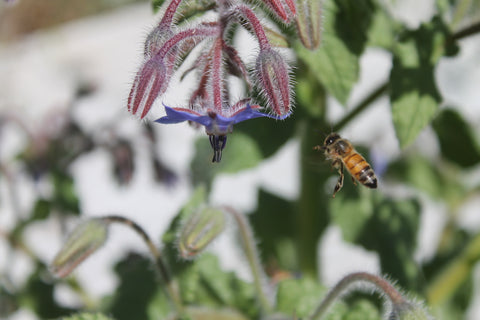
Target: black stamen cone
217,143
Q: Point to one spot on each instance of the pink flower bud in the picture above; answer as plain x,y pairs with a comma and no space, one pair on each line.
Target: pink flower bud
273,81
150,82
156,39
309,22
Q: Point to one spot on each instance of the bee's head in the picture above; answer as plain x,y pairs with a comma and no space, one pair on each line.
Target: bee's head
330,139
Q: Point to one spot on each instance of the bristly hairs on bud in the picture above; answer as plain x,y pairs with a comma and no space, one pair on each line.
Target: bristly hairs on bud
87,237
396,305
198,230
80,244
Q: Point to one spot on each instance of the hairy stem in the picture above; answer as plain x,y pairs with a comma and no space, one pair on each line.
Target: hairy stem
256,25
252,255
171,287
336,292
362,106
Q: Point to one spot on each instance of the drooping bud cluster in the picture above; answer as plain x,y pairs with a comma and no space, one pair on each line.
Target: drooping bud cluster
210,103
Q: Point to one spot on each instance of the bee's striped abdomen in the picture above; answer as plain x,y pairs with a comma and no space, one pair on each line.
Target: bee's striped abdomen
360,170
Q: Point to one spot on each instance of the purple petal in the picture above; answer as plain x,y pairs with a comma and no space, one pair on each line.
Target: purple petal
214,123
176,115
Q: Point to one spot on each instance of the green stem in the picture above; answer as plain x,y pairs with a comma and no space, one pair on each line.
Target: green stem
171,286
454,275
461,9
312,217
362,106
252,255
338,290
468,31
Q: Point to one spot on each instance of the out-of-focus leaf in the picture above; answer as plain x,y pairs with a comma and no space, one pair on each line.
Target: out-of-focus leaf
241,152
159,306
87,316
65,196
352,23
310,93
270,135
138,285
273,226
157,4
457,140
421,173
351,210
413,93
302,296
362,309
41,209
38,295
299,296
385,226
383,30
226,287
455,275
392,232
8,302
334,64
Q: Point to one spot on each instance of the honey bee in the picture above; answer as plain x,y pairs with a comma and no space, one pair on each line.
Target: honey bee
343,154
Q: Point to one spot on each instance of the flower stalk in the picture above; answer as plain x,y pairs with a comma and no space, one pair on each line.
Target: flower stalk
252,256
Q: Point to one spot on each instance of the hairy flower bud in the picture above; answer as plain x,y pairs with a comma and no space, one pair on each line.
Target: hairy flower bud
309,22
408,311
273,81
156,39
150,82
84,240
199,230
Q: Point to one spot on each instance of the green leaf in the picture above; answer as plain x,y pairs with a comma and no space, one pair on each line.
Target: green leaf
362,309
156,5
270,135
352,23
457,140
226,287
441,183
299,296
386,226
41,209
65,197
273,226
241,152
138,286
383,30
392,232
87,316
38,296
351,210
413,93
335,64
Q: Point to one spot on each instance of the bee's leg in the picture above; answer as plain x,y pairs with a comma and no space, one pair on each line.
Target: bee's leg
339,184
354,181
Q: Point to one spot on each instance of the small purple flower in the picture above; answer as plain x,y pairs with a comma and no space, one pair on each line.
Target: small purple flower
216,126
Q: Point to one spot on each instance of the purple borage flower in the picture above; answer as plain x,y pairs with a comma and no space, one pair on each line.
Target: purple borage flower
216,126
